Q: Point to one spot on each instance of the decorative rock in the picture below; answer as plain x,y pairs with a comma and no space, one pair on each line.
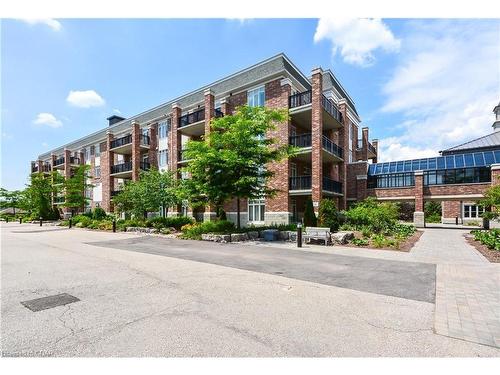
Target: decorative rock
237,237
141,230
223,238
292,236
253,235
341,238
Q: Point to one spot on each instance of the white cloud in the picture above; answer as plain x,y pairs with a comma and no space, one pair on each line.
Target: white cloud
47,119
85,99
50,22
356,38
117,111
445,86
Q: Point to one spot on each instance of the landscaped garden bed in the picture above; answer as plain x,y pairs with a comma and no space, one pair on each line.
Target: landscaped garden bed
487,242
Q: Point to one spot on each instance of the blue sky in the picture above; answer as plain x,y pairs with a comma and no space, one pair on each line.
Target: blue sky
420,85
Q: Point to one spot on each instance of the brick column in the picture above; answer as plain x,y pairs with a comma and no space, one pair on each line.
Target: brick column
418,215
209,213
344,143
175,137
375,146
316,136
153,145
39,162
361,186
209,109
136,150
107,181
364,140
277,208
224,106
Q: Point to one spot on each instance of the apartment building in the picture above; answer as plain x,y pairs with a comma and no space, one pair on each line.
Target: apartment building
324,124
457,179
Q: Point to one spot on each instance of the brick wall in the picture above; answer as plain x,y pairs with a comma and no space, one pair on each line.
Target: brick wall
344,143
316,135
356,188
107,160
153,146
455,189
451,209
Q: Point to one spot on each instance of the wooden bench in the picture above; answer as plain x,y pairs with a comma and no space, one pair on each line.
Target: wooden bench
317,233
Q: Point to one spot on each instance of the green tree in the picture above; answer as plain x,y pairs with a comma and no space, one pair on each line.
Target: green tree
153,190
328,214
432,211
75,187
37,197
11,199
230,162
491,202
310,219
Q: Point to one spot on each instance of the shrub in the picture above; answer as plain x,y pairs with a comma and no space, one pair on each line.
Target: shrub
372,214
104,224
405,210
432,212
366,232
490,238
167,222
309,215
99,214
83,221
328,214
194,231
379,240
360,242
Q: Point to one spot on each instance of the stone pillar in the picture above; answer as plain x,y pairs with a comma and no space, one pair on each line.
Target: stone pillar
316,137
418,215
136,150
107,181
209,109
344,143
153,146
375,146
364,146
278,207
175,137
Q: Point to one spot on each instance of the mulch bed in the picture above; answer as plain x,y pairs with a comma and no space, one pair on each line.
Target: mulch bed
405,246
492,255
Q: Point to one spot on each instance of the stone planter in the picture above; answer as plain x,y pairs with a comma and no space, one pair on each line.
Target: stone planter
141,230
341,238
238,237
253,235
223,238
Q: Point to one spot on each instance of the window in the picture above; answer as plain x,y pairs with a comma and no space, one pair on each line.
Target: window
87,154
162,157
256,210
97,150
163,129
472,211
256,97
97,172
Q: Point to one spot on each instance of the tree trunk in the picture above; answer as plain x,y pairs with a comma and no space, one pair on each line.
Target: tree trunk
238,213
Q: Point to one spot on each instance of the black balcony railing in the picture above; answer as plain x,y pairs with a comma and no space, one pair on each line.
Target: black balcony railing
121,141
371,148
331,147
145,165
300,183
191,118
331,108
46,167
120,168
300,99
218,113
182,156
74,160
114,193
302,140
332,185
59,161
34,168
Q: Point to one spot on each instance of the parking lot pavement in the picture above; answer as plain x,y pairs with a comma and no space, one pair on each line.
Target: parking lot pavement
138,304
409,280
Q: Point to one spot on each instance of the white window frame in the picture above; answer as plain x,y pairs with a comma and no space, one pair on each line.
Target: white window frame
97,171
472,211
256,210
254,96
97,150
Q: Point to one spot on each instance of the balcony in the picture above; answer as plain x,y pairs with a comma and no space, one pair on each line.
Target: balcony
300,105
182,157
331,151
114,193
58,163
124,170
218,113
193,124
123,145
74,160
34,168
302,185
372,152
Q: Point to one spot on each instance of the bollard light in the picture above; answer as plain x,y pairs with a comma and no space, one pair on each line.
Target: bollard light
6,219
70,223
299,235
20,220
114,225
41,221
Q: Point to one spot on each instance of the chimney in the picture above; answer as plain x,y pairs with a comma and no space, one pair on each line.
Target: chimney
496,124
114,119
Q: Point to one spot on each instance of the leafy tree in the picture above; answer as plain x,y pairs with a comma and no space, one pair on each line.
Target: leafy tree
310,219
230,161
11,199
37,197
75,187
491,202
432,211
328,214
152,190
